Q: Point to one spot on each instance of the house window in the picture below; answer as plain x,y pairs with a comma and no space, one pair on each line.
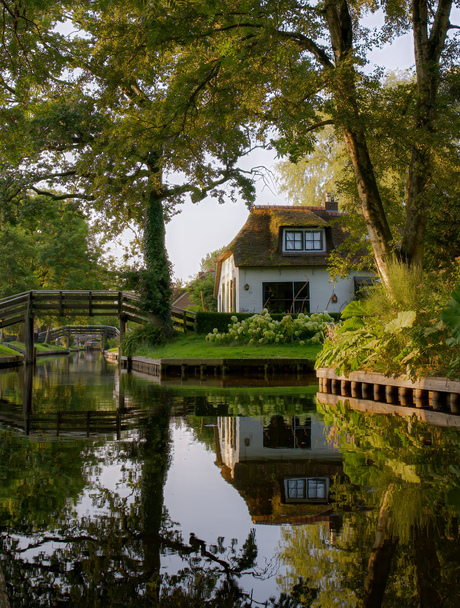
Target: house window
303,241
307,489
288,433
286,296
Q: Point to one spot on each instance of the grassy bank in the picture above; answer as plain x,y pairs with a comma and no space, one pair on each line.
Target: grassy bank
41,348
194,346
7,352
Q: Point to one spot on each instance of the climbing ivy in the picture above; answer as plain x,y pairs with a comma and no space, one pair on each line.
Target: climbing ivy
155,284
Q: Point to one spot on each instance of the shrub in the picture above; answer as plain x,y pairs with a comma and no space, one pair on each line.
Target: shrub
408,330
205,322
148,334
263,328
112,342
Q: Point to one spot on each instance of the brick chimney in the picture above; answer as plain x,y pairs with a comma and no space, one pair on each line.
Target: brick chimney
330,204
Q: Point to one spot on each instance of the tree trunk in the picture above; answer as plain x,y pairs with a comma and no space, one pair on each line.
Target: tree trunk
348,117
427,566
428,47
4,601
157,283
380,560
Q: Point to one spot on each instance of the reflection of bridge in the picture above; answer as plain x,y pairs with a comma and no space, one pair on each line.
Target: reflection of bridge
87,332
80,423
24,307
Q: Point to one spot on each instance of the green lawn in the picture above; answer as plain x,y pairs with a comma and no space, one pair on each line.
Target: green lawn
39,347
194,346
8,352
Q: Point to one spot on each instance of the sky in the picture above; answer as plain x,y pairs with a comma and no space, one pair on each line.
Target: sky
206,226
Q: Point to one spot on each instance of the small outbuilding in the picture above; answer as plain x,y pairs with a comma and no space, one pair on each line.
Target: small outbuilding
279,261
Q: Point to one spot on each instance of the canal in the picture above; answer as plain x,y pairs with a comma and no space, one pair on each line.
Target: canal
118,491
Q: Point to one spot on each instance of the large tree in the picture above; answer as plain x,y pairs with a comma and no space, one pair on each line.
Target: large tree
157,87
279,71
92,119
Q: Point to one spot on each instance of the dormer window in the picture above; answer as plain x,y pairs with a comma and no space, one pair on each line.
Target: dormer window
303,240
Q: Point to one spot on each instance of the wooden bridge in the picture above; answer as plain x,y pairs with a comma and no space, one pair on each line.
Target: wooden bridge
24,307
84,331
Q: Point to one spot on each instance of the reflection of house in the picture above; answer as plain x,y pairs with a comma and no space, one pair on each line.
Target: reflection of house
279,260
282,466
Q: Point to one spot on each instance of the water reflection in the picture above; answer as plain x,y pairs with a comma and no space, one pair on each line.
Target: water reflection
213,497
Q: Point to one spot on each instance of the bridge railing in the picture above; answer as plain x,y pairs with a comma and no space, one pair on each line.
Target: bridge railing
70,303
183,320
58,332
13,309
57,303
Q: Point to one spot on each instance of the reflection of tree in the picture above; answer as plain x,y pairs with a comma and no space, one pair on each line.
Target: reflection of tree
400,542
55,554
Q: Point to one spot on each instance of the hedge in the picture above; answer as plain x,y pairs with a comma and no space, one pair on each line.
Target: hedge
205,322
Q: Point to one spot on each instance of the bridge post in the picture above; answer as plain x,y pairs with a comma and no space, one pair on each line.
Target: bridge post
122,333
103,339
29,358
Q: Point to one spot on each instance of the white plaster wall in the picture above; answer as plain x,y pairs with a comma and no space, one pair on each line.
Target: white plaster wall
321,289
228,273
250,430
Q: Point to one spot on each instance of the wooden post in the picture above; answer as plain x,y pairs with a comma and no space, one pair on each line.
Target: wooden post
355,389
344,388
367,390
420,397
378,392
391,394
405,396
27,393
29,338
184,315
335,386
103,339
454,403
122,333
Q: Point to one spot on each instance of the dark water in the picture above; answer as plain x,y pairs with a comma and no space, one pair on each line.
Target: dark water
116,491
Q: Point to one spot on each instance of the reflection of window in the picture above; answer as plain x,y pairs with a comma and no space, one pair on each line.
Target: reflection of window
316,488
305,240
313,489
289,433
286,296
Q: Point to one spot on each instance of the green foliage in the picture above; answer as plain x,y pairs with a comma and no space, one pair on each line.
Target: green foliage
155,279
263,329
112,342
147,334
48,244
397,335
205,322
451,315
201,292
209,260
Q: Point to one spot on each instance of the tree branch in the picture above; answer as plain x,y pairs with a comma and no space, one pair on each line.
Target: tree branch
61,197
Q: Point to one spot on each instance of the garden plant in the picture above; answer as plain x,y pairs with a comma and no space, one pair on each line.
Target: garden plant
262,329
